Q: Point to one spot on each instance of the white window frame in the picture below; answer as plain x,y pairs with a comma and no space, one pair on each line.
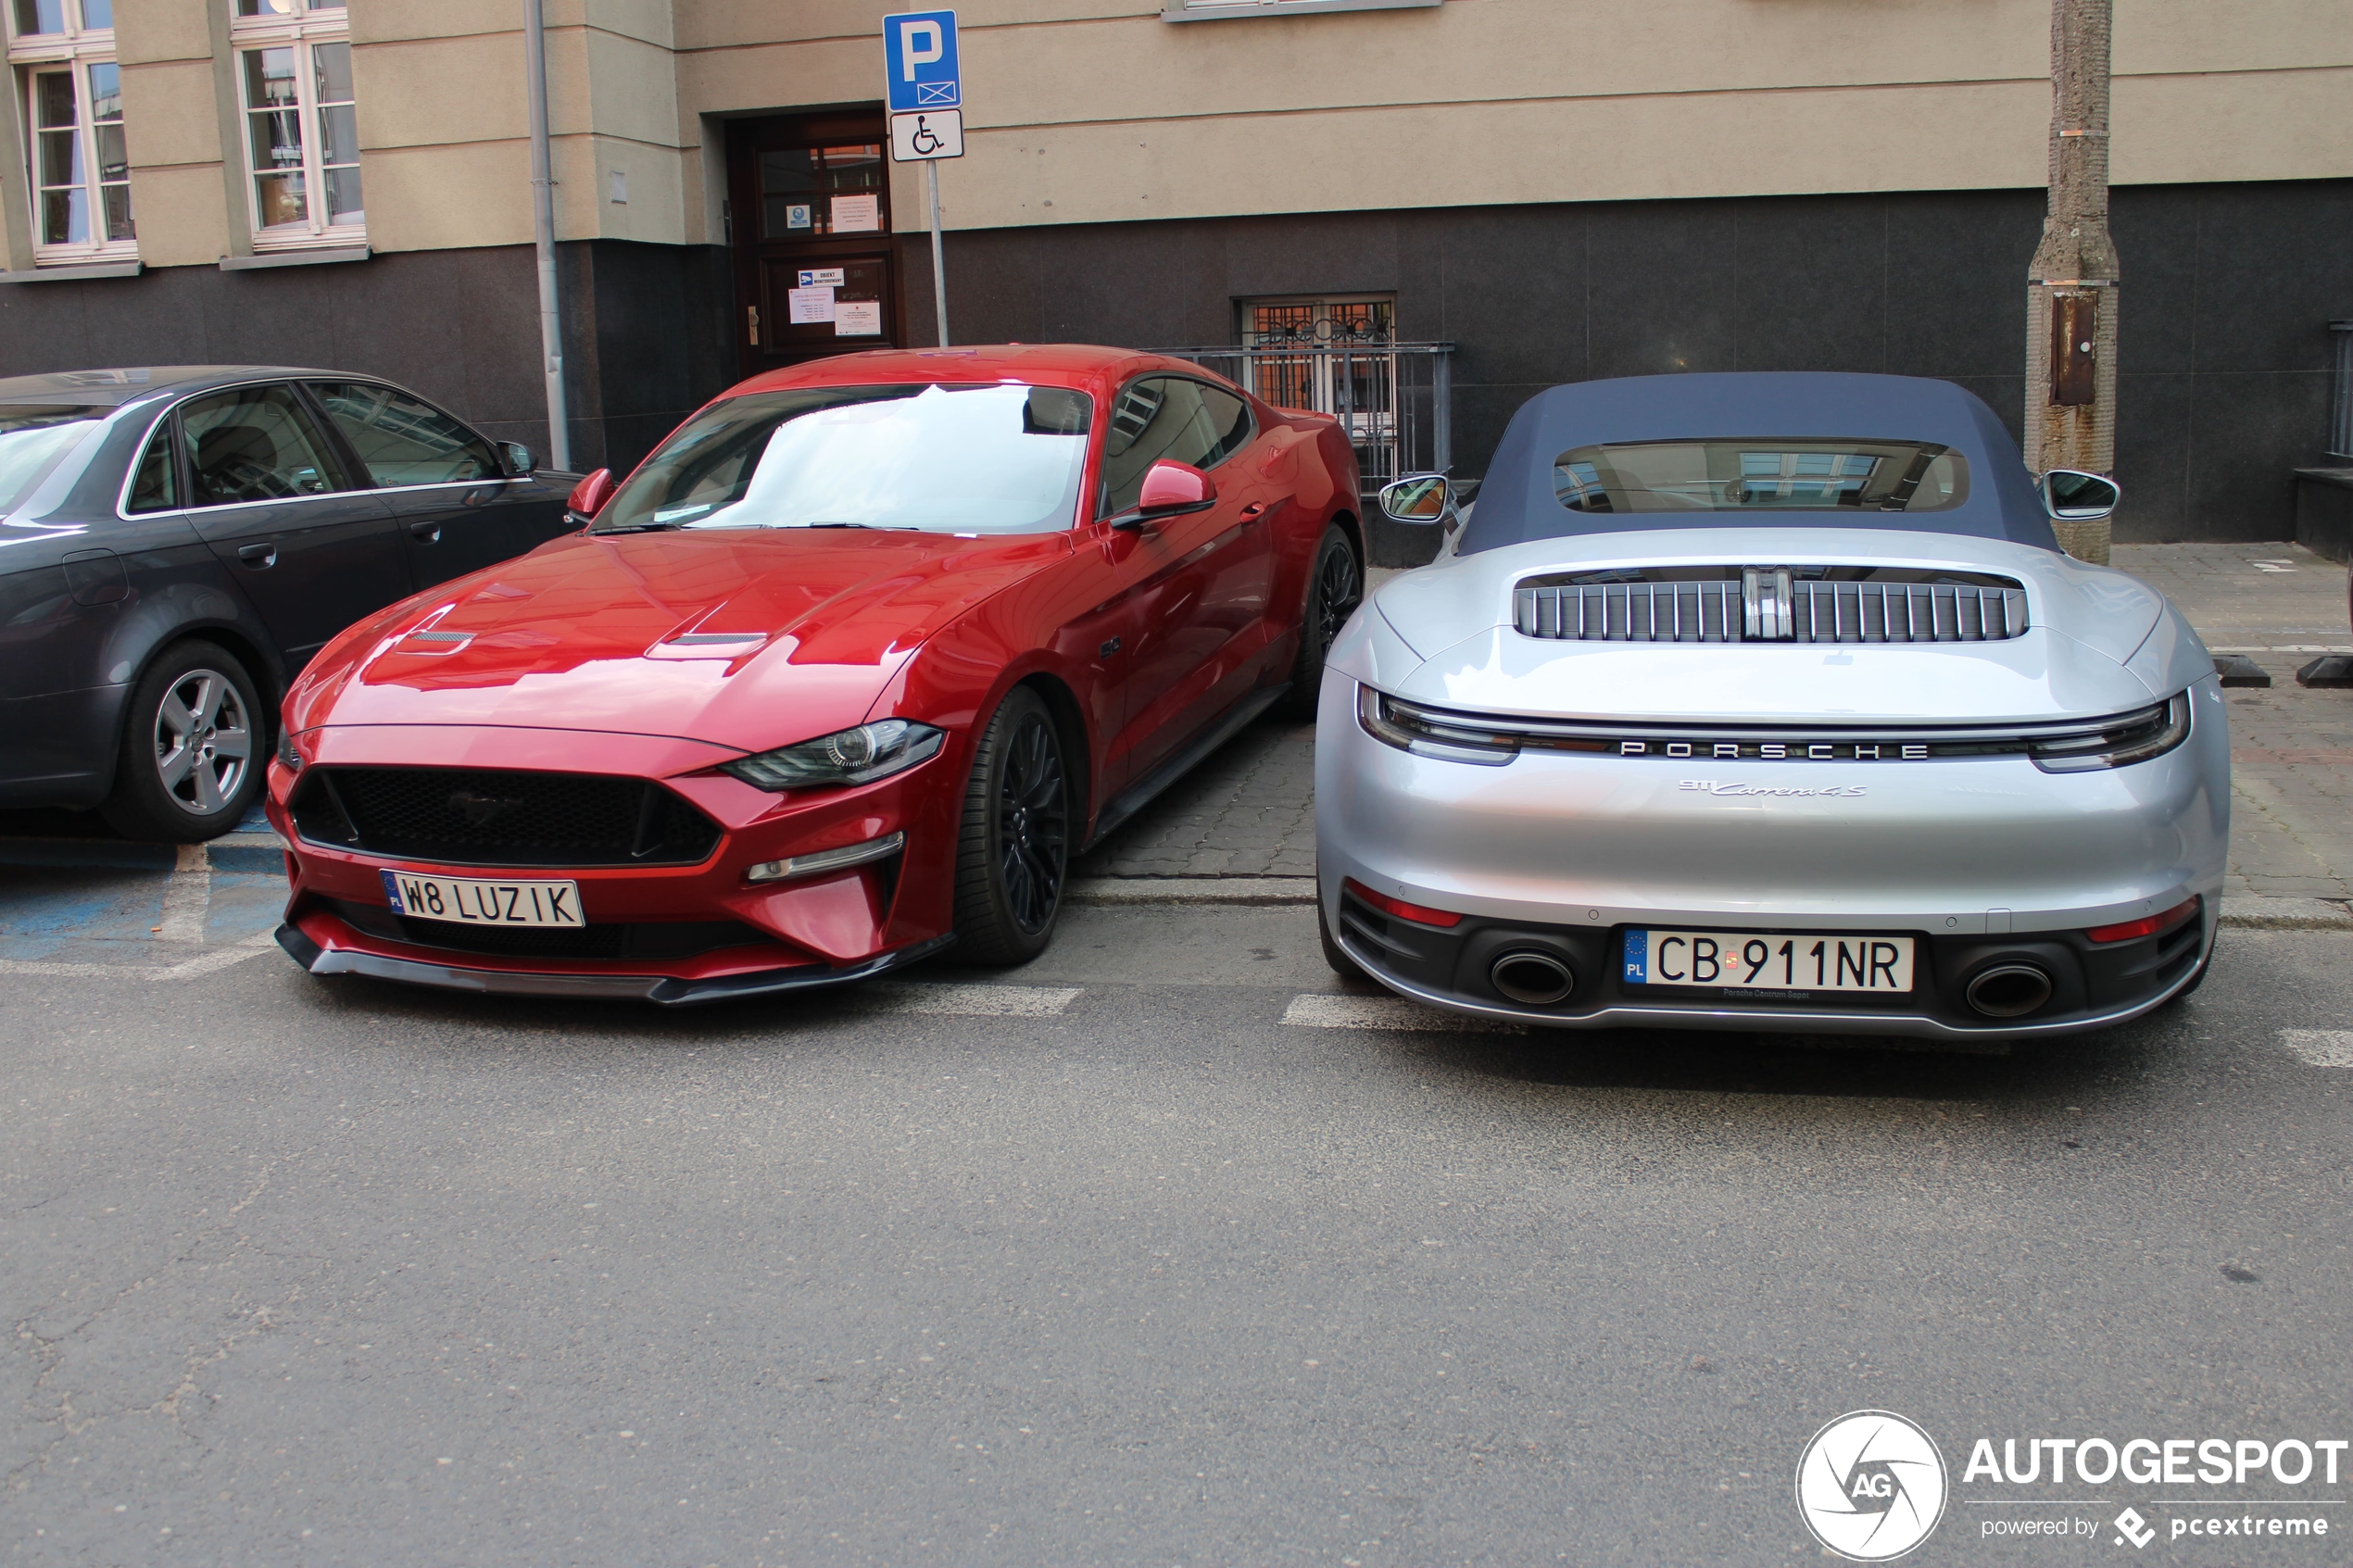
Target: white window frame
76,49
302,29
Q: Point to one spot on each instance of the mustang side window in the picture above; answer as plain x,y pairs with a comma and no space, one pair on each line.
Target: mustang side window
254,444
403,441
1170,417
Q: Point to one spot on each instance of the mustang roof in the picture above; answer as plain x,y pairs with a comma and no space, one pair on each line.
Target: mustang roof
1517,503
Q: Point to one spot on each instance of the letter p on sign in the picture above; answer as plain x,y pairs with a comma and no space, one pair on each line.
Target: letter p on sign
919,44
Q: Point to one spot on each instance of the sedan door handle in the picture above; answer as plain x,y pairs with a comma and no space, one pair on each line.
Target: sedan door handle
425,533
259,556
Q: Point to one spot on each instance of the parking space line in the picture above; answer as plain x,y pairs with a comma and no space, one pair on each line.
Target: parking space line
1314,1011
979,1001
187,896
2319,1048
187,969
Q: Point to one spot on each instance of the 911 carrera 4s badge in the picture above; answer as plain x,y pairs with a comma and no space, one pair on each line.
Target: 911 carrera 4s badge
1733,787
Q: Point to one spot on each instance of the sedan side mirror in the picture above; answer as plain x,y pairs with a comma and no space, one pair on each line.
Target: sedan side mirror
519,460
588,496
1418,498
1170,489
2071,496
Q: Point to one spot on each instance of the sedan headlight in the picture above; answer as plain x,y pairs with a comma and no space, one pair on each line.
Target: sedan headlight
849,757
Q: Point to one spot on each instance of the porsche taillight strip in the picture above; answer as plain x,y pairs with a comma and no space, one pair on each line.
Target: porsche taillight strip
1770,606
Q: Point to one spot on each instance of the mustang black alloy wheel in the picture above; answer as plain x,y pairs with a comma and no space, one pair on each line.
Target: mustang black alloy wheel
193,749
1015,852
1334,587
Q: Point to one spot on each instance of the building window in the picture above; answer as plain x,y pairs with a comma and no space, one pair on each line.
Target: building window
62,54
302,128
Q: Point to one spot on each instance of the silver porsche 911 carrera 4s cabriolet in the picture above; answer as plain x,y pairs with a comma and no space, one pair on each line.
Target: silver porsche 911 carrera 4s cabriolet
1770,701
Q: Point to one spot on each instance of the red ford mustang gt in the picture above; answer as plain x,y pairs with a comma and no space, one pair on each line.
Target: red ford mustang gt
845,672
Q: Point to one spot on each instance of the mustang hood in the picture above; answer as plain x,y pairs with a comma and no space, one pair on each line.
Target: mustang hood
1446,637
747,639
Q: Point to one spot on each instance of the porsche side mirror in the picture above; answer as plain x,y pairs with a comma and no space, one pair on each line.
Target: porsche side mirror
588,498
518,459
1417,498
2071,496
1170,489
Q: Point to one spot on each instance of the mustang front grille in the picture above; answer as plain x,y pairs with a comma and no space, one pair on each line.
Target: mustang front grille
1773,605
475,817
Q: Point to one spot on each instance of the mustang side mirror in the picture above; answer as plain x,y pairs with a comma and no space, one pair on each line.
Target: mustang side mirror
588,496
1417,498
519,460
2071,496
1171,489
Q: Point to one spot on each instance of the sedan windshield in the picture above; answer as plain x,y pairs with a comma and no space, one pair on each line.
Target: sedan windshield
32,437
981,458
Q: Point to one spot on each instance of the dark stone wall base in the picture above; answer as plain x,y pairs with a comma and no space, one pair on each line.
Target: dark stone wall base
2325,512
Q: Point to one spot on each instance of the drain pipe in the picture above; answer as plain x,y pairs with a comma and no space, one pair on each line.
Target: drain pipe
543,223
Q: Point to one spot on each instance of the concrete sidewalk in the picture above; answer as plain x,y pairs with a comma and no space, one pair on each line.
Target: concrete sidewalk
1242,828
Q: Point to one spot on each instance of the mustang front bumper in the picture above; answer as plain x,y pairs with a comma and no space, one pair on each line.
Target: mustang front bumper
1985,860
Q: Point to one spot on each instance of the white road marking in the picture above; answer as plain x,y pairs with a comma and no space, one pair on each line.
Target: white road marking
979,1001
1389,1012
187,969
2320,1047
187,896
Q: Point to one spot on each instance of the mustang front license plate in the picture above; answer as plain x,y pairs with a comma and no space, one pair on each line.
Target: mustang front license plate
1776,961
484,903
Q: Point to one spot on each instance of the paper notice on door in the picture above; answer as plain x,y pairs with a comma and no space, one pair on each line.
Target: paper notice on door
857,215
858,318
811,307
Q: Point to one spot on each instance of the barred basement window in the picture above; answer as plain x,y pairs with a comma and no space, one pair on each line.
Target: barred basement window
79,169
302,125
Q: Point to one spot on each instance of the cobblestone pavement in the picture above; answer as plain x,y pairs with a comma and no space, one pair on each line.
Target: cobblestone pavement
2291,747
1249,811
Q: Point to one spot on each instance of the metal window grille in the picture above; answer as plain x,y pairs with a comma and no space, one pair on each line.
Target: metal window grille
1344,359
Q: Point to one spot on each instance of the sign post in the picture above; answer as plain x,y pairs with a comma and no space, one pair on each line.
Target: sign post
925,89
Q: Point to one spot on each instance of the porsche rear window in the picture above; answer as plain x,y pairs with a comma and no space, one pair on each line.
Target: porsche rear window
983,457
1761,475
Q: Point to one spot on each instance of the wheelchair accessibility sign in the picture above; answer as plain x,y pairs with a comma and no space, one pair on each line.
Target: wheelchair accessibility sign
933,134
919,63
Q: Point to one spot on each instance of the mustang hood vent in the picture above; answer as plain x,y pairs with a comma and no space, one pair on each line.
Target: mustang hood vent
1733,604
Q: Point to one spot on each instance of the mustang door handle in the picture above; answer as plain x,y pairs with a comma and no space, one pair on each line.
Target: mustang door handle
425,533
259,556
1253,511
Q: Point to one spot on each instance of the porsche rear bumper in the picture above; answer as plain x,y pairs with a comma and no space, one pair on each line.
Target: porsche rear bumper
1982,860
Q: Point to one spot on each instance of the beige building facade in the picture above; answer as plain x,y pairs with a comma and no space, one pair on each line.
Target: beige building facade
1555,188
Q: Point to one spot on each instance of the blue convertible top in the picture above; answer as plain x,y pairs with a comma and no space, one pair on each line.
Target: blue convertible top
1517,504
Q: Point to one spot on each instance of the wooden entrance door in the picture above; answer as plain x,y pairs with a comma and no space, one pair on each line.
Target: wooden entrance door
809,208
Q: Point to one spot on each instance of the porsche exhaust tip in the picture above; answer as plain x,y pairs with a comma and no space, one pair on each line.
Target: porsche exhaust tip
2009,990
1532,979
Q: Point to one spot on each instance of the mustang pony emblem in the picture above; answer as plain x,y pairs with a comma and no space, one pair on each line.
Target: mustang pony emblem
480,810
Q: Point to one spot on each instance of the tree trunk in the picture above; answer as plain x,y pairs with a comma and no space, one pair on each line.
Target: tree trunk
2072,282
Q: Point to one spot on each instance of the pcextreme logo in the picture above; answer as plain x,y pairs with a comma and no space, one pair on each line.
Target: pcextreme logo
1872,1485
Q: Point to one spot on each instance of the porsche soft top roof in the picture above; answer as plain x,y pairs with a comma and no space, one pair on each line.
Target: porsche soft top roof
1517,504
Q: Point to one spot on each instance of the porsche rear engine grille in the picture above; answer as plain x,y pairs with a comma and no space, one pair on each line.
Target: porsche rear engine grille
474,817
1772,605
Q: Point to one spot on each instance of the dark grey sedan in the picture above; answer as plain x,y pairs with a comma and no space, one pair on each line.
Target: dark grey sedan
176,543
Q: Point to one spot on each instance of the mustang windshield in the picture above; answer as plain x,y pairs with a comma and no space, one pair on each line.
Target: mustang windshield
1761,475
32,437
979,458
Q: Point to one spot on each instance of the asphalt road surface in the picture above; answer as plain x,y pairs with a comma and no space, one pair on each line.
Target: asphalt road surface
1104,1262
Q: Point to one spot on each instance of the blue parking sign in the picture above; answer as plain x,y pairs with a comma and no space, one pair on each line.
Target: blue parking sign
919,60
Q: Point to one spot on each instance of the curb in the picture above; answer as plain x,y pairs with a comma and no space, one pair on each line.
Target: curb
2285,914
231,852
1233,891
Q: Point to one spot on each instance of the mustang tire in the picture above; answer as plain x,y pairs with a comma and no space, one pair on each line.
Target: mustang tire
1334,587
193,748
1015,855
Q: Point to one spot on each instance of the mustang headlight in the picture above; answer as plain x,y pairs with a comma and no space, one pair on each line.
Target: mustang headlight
849,757
2128,738
289,755
1408,728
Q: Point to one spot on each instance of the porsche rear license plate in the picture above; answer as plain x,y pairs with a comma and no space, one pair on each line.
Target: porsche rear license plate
469,902
1775,960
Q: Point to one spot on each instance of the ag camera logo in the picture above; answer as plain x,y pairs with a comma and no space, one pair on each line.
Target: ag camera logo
1872,1485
